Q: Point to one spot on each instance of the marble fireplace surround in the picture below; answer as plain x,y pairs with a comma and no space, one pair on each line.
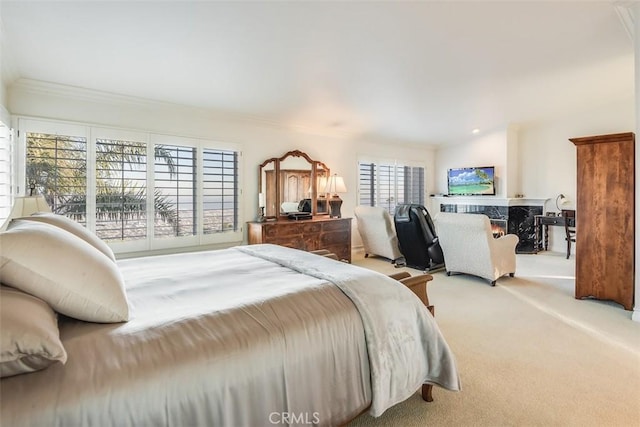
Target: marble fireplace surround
507,215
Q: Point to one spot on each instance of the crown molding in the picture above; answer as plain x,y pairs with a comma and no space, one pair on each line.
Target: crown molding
38,87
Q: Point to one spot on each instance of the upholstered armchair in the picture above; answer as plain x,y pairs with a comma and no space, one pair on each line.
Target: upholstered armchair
469,246
378,233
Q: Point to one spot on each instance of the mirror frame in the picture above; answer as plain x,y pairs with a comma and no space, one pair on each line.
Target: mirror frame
316,166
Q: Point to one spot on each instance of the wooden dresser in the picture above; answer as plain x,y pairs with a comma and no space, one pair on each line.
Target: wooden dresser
333,234
605,218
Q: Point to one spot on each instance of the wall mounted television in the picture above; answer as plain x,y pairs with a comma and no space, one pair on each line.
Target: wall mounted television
475,181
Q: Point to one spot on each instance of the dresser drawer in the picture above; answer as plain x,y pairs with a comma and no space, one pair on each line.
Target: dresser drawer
313,227
279,230
333,238
336,225
293,228
309,235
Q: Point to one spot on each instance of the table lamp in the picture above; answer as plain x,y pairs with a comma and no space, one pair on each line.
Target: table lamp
335,185
561,201
261,205
26,206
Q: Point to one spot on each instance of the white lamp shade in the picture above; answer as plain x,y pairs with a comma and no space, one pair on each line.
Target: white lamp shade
25,206
335,184
561,201
322,185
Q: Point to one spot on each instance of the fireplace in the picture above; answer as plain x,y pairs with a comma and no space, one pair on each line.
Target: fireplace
498,227
505,219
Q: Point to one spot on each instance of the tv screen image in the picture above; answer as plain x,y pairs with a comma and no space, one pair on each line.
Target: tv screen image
474,181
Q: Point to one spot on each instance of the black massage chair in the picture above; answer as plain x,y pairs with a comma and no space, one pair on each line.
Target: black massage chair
417,238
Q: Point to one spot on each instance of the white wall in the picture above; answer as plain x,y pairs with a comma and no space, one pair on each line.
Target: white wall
259,140
484,150
548,158
4,115
545,159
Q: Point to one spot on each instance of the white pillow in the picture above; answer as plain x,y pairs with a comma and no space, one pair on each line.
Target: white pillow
65,271
74,228
29,336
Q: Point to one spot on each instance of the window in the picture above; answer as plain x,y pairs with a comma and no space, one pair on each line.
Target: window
220,186
58,166
388,184
175,191
137,191
121,190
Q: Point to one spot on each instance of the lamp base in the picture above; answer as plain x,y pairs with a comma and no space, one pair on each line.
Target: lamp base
261,217
334,207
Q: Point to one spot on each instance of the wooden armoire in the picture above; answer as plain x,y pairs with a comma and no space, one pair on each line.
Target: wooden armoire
605,217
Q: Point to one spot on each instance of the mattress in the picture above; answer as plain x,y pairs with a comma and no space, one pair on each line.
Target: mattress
238,337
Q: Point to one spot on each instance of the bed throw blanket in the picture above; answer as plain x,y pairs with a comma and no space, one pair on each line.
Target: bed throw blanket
405,346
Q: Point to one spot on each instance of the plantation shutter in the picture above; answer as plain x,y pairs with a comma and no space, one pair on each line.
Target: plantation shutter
6,171
366,184
57,164
220,186
388,184
386,188
414,185
138,191
175,191
121,190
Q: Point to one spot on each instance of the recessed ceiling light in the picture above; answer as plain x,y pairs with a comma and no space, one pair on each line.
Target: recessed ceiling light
475,131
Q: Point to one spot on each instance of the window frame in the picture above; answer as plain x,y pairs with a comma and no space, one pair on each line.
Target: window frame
7,170
92,132
396,163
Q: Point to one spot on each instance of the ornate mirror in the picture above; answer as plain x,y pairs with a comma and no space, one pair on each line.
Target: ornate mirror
293,183
268,187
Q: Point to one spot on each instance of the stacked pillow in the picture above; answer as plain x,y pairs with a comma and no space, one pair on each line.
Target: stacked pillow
29,337
59,265
74,228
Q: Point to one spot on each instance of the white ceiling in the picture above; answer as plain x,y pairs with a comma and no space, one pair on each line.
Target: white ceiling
420,72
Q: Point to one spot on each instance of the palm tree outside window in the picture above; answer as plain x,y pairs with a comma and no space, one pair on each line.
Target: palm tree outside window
188,185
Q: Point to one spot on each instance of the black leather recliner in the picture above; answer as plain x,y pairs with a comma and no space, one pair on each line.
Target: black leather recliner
417,238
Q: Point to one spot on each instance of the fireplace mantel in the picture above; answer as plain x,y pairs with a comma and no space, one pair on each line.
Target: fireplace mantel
488,201
508,215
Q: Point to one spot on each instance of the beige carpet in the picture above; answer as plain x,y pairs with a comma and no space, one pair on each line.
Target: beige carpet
529,354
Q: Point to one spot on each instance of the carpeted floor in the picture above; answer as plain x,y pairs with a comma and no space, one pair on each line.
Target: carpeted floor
528,352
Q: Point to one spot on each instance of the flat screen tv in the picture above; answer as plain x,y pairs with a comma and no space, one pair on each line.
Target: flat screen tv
476,181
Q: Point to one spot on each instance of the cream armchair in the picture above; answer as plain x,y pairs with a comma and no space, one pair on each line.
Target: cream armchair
378,233
469,246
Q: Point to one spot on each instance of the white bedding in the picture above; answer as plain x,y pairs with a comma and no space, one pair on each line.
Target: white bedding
231,338
404,344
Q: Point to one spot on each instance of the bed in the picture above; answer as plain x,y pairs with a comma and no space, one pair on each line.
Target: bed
247,336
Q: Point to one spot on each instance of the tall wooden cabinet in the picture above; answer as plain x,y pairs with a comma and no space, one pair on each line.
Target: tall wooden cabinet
605,216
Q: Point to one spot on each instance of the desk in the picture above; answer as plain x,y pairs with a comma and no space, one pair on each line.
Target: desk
546,221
